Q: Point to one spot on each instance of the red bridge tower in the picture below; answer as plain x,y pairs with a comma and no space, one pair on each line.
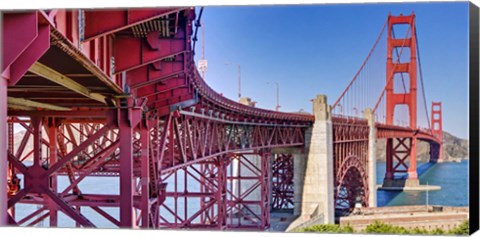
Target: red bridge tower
403,148
437,131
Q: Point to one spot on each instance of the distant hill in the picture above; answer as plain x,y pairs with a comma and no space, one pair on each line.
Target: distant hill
454,148
301,111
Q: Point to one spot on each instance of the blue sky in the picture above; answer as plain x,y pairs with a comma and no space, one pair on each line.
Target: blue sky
316,49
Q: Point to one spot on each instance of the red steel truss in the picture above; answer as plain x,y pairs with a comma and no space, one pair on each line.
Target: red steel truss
219,193
116,93
282,181
183,141
125,100
350,155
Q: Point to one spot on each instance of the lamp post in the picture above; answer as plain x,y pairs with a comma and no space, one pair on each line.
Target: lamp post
277,107
239,80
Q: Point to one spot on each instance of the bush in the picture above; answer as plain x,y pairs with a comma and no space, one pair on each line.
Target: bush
462,229
381,228
437,231
419,231
329,228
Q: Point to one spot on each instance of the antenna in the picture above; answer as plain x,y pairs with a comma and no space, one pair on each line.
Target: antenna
203,63
277,108
239,83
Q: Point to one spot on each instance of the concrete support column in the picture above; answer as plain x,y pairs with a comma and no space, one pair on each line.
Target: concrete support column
299,164
3,149
372,159
318,189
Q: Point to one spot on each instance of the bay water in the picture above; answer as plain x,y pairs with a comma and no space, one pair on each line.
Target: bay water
451,177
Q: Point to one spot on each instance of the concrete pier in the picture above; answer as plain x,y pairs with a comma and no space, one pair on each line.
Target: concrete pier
314,175
372,158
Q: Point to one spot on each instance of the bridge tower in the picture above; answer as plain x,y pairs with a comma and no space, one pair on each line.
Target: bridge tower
437,131
402,149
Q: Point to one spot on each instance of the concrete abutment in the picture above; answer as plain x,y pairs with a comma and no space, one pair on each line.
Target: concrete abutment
314,178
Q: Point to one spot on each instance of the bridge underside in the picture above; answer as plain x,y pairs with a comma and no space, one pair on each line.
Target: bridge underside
115,94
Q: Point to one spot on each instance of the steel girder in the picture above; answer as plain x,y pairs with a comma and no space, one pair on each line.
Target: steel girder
76,150
191,137
350,154
399,151
159,147
92,141
282,181
217,194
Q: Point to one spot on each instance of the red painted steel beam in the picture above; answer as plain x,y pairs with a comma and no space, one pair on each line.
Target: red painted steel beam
141,52
24,27
173,99
82,57
53,168
67,209
149,73
126,171
53,158
3,149
401,42
169,84
81,113
161,78
127,120
31,41
400,19
103,22
145,172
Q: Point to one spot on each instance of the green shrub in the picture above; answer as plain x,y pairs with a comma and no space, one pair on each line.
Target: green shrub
462,229
328,228
419,231
381,228
437,231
